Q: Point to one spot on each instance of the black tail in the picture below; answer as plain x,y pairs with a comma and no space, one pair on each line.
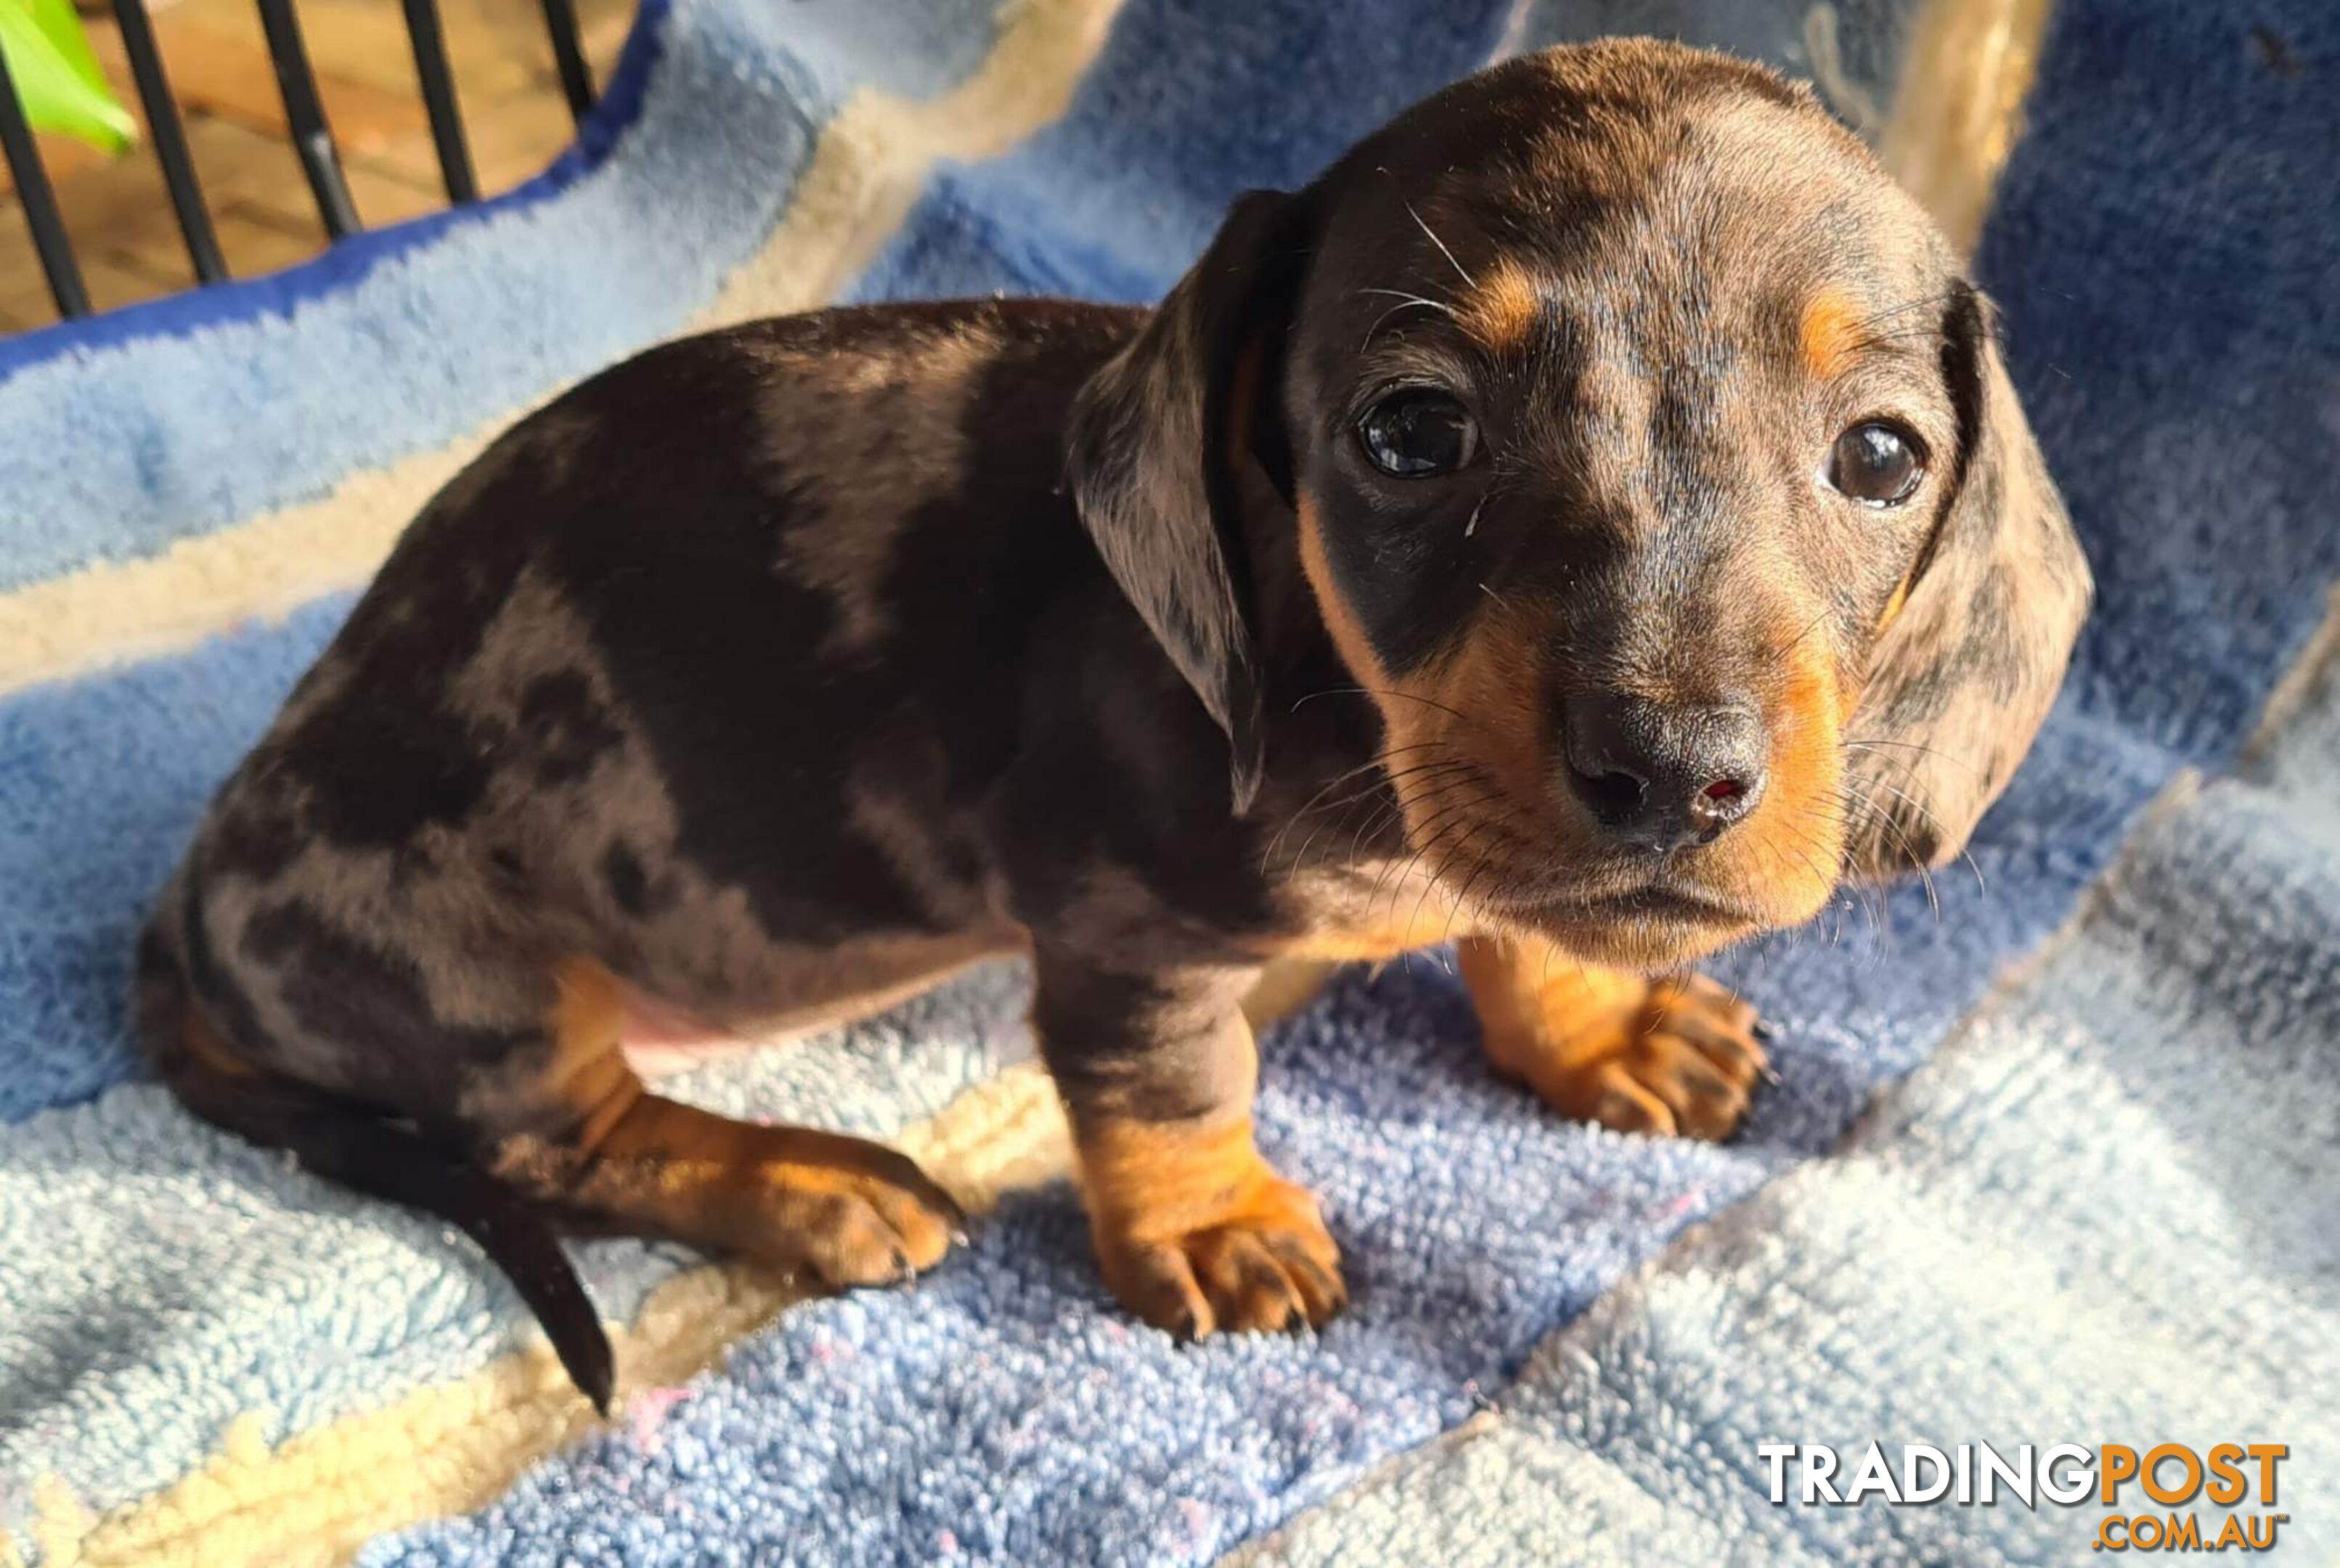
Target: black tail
349,1141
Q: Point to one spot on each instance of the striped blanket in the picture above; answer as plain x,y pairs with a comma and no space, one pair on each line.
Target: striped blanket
2056,1150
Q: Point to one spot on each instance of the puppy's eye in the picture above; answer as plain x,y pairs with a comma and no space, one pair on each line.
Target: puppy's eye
1877,462
1417,433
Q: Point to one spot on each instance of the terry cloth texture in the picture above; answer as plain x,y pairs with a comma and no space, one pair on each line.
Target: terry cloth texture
204,1356
2100,1214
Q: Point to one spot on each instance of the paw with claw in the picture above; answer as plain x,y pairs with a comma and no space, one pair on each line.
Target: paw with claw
1673,1057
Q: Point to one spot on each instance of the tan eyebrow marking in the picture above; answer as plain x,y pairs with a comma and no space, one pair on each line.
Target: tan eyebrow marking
1829,333
1500,310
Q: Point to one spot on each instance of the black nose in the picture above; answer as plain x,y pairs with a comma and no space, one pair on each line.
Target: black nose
1660,776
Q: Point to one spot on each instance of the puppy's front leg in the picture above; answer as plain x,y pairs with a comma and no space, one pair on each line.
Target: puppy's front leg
1195,1231
1676,1055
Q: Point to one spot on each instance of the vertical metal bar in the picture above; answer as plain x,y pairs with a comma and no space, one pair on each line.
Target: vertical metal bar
569,55
439,97
169,139
40,203
313,139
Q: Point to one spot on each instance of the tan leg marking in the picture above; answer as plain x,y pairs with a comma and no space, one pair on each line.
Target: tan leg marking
842,1209
1195,1232
1675,1057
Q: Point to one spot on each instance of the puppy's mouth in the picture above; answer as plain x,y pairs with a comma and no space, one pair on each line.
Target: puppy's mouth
1649,921
1659,903
1509,857
1660,924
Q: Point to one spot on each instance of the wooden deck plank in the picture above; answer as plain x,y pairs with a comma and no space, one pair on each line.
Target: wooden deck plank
117,211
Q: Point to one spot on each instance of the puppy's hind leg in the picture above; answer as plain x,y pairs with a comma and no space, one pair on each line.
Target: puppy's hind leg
839,1210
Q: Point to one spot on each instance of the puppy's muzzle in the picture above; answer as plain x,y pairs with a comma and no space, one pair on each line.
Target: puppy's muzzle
1659,776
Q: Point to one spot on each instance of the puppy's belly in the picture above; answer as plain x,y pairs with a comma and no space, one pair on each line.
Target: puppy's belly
661,1041
797,992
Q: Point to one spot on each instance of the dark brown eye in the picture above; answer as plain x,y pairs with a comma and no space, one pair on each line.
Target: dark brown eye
1877,462
1415,434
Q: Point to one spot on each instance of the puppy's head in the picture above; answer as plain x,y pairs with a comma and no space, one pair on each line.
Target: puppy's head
1653,470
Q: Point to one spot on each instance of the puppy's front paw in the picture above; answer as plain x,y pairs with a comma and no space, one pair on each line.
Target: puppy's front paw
1196,1233
1271,1265
1682,1063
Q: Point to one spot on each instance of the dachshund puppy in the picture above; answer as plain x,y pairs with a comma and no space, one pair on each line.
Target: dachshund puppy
1590,523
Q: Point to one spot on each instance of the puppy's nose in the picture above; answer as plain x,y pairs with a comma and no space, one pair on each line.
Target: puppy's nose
1661,775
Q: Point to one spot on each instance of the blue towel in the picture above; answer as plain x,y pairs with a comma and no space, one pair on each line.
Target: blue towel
203,1352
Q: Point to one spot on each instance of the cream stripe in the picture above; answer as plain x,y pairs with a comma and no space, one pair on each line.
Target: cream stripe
1966,68
870,163
874,158
449,1449
116,613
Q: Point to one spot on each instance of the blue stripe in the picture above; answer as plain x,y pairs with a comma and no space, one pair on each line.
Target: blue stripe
101,782
1113,200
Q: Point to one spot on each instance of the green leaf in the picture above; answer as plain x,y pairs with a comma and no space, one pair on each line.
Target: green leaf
57,76
62,27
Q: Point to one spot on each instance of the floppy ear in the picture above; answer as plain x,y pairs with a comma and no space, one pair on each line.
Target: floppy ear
1157,440
1961,678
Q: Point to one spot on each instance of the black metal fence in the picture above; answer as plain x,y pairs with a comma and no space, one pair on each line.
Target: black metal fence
304,114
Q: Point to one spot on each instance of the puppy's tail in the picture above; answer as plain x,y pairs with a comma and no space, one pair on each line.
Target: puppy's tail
347,1141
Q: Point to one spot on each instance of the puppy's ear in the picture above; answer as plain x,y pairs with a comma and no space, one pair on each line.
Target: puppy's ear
1962,677
1156,446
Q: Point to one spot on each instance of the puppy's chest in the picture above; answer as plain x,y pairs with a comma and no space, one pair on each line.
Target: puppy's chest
1369,913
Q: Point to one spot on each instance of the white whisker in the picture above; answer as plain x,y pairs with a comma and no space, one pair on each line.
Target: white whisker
1441,246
